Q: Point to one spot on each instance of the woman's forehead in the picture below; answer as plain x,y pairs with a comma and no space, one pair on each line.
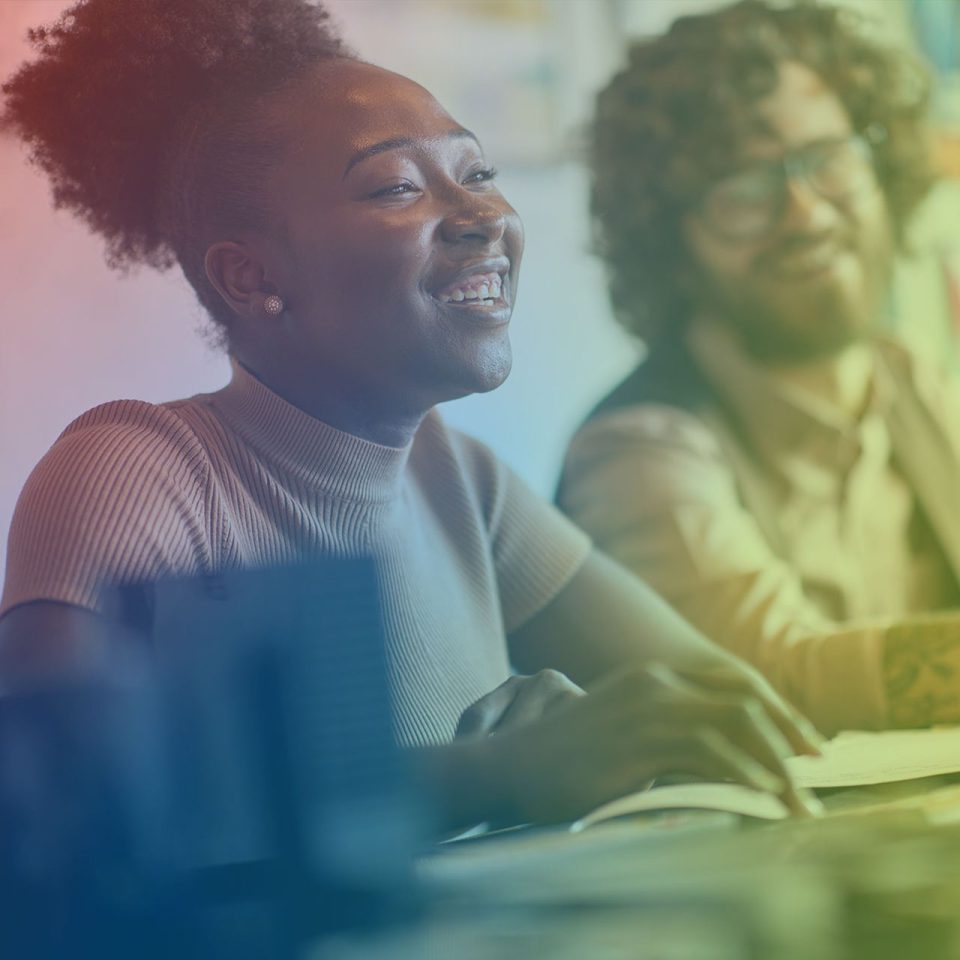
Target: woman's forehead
341,112
346,100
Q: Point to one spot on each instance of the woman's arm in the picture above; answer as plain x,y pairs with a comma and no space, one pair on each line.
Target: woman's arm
45,643
606,621
551,764
637,725
606,618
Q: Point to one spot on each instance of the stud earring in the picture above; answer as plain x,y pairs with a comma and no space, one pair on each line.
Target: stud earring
273,305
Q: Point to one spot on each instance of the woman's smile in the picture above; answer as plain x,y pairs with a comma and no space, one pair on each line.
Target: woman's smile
479,292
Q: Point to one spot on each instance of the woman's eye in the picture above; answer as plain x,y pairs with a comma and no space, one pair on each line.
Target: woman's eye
395,189
482,176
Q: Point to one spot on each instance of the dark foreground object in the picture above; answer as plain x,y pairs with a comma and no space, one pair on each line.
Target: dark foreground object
232,789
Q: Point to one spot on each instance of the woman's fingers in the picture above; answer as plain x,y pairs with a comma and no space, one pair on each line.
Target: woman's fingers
481,717
709,755
705,754
536,696
802,735
517,701
732,728
798,800
799,732
568,752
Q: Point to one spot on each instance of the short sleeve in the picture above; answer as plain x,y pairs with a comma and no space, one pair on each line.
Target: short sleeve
119,498
536,549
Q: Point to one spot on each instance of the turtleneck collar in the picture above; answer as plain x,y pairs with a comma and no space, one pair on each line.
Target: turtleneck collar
305,448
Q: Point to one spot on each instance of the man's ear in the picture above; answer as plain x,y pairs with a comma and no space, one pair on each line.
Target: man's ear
238,275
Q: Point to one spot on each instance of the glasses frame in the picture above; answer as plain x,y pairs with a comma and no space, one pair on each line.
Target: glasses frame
792,166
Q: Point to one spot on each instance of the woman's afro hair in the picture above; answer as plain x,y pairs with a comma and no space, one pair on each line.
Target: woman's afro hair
123,94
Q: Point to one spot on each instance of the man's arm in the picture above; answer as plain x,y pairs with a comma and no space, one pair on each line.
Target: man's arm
669,512
921,671
658,496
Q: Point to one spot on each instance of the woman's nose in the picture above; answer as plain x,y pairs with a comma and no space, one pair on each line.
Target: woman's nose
480,221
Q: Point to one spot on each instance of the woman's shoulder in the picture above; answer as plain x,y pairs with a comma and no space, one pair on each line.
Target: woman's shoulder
121,430
120,496
123,442
157,423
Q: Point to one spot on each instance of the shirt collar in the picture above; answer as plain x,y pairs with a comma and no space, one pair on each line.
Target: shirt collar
305,448
787,427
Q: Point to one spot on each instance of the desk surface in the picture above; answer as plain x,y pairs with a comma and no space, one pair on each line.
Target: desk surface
878,878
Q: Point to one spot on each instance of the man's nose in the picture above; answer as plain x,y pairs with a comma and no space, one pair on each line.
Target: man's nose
806,210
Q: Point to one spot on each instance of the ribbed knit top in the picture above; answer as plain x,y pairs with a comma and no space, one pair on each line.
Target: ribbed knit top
466,553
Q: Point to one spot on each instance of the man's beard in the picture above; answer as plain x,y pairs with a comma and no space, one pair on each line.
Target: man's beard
799,322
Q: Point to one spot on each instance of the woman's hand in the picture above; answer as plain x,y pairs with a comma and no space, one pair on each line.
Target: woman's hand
517,701
722,722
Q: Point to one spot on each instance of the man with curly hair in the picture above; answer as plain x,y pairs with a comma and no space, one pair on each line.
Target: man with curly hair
782,472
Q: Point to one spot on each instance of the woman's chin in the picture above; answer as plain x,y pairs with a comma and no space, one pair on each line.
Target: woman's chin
494,371
480,376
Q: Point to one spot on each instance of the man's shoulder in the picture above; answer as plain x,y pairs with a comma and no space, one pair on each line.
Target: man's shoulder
647,429
668,377
663,402
921,378
664,453
909,361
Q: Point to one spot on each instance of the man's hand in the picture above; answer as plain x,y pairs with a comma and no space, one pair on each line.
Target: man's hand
517,701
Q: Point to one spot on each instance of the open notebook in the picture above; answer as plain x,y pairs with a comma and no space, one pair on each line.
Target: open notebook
851,759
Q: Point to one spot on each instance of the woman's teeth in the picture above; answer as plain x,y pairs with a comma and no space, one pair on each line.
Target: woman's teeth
487,288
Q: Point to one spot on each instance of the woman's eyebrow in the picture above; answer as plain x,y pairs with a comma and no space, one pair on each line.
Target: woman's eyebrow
394,143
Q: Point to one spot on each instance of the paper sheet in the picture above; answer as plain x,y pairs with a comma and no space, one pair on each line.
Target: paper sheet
723,797
851,759
856,758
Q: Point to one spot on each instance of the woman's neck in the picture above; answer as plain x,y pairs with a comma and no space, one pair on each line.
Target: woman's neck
362,415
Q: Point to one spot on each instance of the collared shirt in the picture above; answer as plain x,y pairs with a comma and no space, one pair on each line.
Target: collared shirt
851,527
798,556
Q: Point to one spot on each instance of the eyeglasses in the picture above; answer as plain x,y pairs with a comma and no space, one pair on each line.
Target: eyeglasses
749,204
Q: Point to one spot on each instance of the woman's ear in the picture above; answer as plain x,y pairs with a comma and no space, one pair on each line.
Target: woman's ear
238,276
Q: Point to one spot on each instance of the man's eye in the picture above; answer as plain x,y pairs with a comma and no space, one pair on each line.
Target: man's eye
482,176
749,188
395,189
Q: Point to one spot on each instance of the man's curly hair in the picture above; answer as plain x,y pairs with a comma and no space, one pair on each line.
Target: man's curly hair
145,116
671,121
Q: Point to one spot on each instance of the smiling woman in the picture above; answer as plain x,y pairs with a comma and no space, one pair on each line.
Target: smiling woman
379,224
347,236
